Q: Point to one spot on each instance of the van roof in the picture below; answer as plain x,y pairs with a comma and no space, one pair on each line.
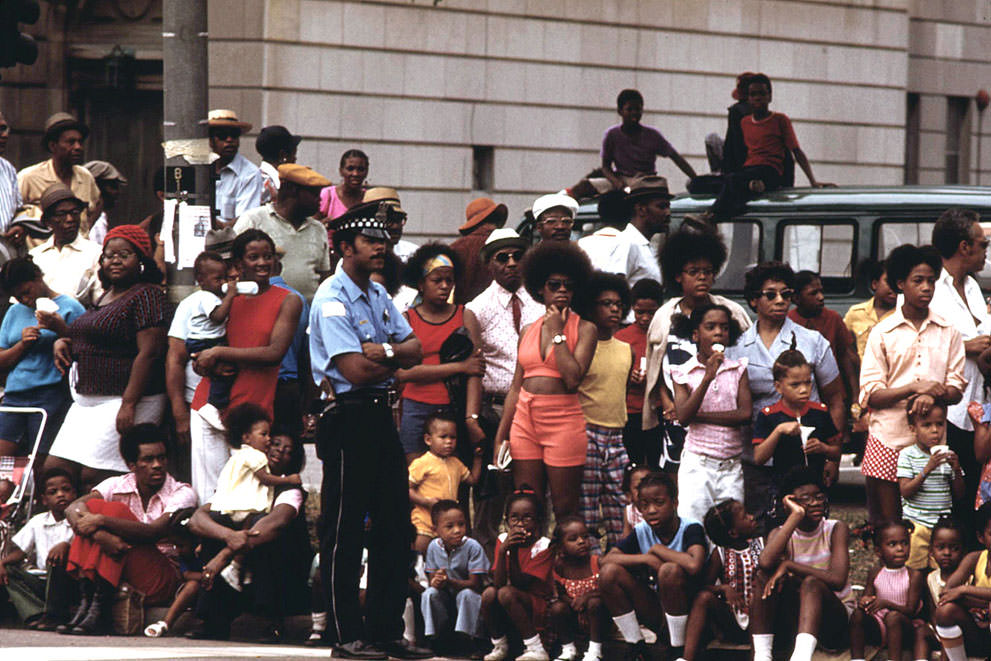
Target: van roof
882,198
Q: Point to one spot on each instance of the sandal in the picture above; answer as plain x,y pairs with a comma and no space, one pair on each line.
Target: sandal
156,630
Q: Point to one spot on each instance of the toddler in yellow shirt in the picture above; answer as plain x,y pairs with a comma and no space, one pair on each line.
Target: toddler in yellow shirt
438,474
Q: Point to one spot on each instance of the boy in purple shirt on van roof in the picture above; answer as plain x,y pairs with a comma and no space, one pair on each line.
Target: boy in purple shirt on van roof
630,148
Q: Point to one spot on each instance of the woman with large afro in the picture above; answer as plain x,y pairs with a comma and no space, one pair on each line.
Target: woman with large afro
690,261
542,418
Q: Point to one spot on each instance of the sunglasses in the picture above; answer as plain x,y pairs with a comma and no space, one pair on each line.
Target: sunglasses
772,294
555,285
225,134
504,257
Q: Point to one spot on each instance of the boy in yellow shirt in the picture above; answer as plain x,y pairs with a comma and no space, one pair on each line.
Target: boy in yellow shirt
437,475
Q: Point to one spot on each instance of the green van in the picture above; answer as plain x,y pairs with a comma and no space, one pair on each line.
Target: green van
827,230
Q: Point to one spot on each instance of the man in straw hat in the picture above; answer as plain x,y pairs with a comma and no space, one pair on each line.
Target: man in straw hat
289,221
239,185
69,261
395,219
63,139
358,339
482,216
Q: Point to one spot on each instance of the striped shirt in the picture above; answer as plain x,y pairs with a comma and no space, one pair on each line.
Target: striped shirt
10,194
934,498
815,549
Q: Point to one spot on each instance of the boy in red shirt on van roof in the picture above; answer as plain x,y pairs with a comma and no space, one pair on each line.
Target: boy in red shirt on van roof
767,135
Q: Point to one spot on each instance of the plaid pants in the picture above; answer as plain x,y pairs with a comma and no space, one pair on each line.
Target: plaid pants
602,484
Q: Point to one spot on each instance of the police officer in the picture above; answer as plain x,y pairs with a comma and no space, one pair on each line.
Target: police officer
357,341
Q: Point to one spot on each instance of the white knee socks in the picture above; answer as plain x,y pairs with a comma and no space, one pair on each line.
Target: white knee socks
628,627
805,647
763,644
676,629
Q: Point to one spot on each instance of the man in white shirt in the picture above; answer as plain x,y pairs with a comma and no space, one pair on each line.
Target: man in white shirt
503,309
69,262
628,251
957,298
239,181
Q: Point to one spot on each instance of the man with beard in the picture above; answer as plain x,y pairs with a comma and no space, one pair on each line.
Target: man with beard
64,138
289,221
239,181
358,339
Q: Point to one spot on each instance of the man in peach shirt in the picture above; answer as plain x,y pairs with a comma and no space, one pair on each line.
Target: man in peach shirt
912,351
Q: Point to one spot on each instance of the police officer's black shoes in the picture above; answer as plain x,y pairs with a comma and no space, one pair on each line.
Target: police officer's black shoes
357,649
402,649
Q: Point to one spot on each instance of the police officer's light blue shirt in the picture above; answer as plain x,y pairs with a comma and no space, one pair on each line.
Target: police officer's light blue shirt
761,359
342,317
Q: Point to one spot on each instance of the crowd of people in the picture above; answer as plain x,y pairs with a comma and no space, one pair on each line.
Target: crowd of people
465,397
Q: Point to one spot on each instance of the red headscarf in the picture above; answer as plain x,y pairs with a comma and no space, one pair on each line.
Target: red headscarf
134,235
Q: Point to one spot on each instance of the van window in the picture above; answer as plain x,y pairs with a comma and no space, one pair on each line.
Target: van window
743,242
824,248
891,234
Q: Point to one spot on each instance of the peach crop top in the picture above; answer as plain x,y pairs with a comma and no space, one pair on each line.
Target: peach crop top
529,353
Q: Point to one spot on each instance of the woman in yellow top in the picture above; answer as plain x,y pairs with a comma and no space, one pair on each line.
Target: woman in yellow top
602,394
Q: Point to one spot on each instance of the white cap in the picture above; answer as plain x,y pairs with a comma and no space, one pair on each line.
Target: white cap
545,202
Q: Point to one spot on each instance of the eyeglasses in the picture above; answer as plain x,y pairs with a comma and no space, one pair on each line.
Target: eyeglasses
816,499
504,257
696,272
772,294
555,285
610,303
75,213
559,220
122,255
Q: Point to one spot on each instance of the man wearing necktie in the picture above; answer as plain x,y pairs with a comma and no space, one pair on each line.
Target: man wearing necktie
503,310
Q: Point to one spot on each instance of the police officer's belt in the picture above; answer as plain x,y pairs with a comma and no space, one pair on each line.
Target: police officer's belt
368,397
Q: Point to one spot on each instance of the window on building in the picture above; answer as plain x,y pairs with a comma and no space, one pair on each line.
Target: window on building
957,139
482,167
912,139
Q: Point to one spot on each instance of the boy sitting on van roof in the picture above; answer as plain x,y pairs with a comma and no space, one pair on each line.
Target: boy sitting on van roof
768,136
630,149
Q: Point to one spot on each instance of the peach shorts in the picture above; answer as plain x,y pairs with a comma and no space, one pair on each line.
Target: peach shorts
549,428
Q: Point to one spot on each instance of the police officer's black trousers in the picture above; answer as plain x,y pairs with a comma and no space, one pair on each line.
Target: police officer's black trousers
364,471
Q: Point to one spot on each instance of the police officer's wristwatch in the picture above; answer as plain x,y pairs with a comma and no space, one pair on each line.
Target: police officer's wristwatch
387,348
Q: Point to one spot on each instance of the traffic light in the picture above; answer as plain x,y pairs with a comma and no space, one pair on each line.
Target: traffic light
15,46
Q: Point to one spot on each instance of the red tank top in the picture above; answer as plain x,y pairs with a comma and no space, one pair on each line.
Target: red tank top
250,324
529,355
431,337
